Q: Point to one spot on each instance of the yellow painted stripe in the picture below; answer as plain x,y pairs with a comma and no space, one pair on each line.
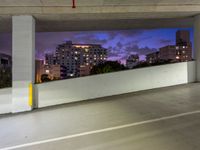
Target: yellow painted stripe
30,102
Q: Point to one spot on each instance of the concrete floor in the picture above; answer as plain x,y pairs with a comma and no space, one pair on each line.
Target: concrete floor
160,119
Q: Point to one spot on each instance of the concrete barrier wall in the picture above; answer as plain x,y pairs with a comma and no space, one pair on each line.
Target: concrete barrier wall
5,100
72,90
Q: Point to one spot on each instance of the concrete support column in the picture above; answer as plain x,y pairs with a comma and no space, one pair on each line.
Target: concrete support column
197,44
23,60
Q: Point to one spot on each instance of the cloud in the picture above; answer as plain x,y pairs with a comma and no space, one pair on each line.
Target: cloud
134,48
165,41
6,43
119,45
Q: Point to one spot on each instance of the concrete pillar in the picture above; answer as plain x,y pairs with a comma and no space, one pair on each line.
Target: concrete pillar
23,60
197,44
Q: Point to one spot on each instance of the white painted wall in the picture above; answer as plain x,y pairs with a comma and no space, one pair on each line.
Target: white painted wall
5,100
23,61
71,90
197,44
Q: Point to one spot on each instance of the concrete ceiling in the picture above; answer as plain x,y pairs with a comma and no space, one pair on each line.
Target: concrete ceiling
57,15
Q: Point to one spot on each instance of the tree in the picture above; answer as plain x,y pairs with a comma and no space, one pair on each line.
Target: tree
108,66
5,77
45,78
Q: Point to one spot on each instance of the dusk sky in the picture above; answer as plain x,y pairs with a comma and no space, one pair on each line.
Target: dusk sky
119,43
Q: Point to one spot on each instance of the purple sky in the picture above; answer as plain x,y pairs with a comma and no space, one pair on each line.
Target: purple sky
119,43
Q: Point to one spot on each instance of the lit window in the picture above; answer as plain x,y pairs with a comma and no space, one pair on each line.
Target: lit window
47,71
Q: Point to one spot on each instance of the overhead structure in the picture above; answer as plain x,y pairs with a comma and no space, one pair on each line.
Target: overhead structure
100,14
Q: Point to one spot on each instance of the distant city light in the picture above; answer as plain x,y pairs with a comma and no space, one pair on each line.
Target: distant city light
47,71
81,46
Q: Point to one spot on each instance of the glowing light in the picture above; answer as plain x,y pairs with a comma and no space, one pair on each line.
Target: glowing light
177,57
81,46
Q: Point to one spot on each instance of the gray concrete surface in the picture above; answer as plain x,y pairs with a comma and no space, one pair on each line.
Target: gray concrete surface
100,14
180,133
197,45
23,61
5,100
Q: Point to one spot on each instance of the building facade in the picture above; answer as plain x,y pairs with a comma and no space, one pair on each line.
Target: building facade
54,72
50,59
132,61
180,52
183,38
73,56
153,57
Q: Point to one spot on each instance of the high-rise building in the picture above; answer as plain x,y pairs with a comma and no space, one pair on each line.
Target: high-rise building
75,55
176,53
132,61
50,59
182,51
183,38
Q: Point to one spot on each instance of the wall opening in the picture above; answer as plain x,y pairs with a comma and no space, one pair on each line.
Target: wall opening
66,55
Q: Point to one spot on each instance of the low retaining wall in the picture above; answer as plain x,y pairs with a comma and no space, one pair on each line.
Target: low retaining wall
78,89
5,100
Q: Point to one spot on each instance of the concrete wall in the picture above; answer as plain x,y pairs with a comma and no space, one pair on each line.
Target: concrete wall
23,61
5,100
71,90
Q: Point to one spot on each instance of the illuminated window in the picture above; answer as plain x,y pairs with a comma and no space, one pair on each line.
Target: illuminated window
47,71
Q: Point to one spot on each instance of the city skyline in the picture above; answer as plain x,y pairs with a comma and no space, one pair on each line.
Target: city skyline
120,44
